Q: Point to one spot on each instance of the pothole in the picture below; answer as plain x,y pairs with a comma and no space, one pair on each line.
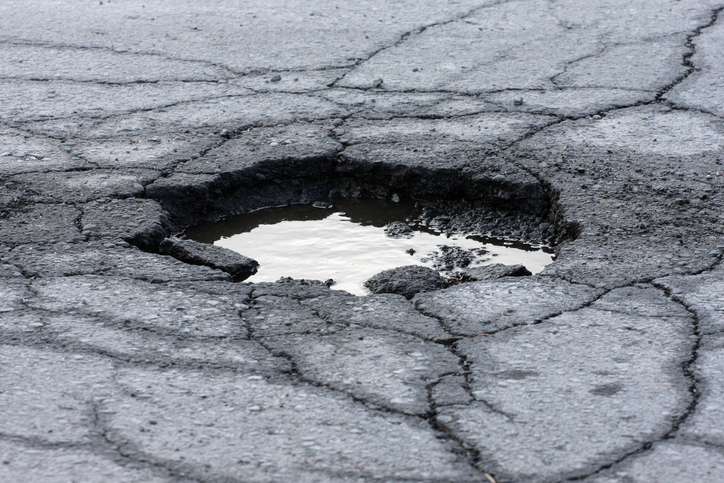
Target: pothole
349,241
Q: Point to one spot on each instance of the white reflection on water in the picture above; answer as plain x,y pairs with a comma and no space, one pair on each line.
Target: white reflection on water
350,253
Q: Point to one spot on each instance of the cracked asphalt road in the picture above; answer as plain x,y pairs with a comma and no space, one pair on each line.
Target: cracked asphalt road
122,122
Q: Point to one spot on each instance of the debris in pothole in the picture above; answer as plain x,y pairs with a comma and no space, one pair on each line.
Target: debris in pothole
407,281
461,218
452,258
495,271
305,282
398,229
213,256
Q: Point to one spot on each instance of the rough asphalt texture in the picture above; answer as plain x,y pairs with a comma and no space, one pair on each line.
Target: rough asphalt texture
122,122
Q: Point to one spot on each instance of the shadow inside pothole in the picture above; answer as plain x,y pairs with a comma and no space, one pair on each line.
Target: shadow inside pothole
351,240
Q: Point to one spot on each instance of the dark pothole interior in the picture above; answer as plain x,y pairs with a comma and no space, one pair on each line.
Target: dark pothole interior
350,240
487,204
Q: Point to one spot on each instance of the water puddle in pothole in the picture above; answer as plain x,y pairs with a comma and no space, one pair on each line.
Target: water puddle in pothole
348,243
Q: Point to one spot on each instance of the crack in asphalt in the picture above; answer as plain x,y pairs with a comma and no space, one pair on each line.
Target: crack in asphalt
100,82
411,33
700,110
121,114
234,74
607,46
685,61
299,375
538,321
61,46
129,451
687,57
602,49
484,92
429,417
172,467
48,339
40,443
471,453
688,371
99,445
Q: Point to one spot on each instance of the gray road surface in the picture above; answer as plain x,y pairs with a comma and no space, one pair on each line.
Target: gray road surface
123,121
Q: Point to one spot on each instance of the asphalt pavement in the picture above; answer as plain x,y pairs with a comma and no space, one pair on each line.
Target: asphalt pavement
124,121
